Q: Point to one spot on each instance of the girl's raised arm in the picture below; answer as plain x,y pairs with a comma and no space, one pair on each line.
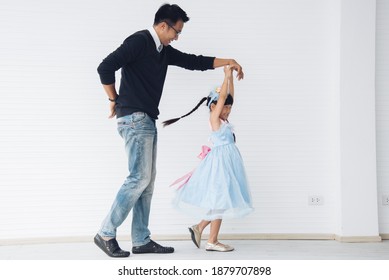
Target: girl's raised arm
217,109
230,88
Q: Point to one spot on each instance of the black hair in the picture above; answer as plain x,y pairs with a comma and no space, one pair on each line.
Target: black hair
171,14
229,101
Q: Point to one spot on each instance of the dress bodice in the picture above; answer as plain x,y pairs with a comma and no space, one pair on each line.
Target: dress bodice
224,135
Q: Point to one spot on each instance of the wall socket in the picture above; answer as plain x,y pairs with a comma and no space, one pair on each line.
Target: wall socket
385,200
315,200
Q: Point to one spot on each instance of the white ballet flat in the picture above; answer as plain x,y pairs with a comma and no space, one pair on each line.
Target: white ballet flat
195,235
219,247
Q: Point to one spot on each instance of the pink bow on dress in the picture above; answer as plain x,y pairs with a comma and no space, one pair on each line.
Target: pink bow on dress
184,179
204,151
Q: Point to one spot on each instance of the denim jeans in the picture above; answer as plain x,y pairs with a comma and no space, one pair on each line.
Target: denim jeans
139,133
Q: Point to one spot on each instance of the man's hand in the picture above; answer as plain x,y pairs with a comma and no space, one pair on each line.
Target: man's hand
112,110
235,66
112,95
219,62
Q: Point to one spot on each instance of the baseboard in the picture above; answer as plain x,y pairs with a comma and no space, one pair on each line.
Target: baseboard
80,239
384,236
358,239
253,236
46,240
278,236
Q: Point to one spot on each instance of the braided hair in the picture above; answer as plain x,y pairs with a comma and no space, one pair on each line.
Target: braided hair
210,100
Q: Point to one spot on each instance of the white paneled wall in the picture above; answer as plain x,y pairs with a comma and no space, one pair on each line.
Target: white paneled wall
282,111
62,162
382,111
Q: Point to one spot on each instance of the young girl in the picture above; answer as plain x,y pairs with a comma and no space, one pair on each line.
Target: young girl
218,187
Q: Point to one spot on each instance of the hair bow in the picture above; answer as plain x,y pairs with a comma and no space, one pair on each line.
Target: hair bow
213,96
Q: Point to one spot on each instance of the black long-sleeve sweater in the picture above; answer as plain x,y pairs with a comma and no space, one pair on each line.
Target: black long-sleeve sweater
143,72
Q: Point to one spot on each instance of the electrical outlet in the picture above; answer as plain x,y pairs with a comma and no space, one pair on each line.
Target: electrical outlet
315,200
385,200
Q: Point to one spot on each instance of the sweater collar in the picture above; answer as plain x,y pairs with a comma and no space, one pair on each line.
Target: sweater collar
158,44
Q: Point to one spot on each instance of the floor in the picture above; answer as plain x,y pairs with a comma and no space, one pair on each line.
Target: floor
185,250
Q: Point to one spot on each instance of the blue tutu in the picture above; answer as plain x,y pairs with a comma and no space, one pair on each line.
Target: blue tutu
218,187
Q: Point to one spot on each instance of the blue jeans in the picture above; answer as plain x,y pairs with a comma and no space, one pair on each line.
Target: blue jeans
139,133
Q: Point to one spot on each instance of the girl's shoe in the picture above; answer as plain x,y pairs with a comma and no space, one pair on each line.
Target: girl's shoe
219,247
195,235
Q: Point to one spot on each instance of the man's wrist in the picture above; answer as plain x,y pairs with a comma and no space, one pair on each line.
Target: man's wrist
113,99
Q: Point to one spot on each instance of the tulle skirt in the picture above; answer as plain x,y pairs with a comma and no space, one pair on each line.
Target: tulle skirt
218,188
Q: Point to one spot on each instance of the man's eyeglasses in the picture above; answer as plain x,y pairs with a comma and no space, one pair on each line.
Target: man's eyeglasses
177,32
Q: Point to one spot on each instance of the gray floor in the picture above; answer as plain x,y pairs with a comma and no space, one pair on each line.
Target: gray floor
185,250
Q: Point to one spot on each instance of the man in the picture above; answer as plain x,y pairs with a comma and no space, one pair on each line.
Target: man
143,58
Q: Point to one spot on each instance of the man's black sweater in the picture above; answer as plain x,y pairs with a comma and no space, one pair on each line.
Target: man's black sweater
144,71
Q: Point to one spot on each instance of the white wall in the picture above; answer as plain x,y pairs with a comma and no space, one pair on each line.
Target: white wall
62,162
358,189
382,109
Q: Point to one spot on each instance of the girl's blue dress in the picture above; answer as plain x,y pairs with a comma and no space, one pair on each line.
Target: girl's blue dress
218,187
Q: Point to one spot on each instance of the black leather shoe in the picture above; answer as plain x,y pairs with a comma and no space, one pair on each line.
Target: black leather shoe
152,247
110,247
